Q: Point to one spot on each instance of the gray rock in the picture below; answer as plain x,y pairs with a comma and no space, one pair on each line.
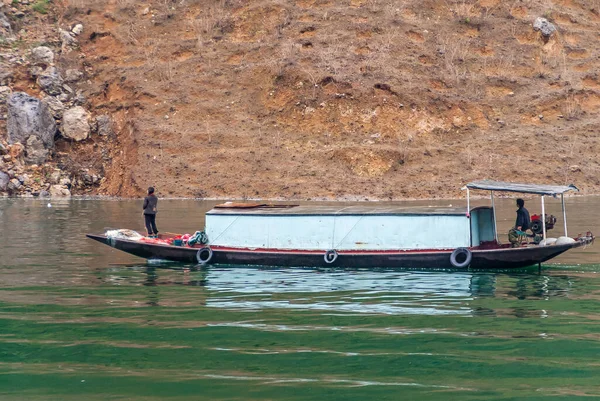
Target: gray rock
56,107
79,98
105,125
64,97
51,81
73,75
58,191
87,179
44,194
4,93
35,152
75,124
5,27
25,179
544,26
67,39
29,116
3,150
55,176
35,71
77,29
42,55
6,74
13,185
4,180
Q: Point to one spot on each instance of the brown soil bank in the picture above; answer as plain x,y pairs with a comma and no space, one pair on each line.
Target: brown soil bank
324,99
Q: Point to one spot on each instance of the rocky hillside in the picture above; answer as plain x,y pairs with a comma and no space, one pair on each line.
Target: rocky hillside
305,99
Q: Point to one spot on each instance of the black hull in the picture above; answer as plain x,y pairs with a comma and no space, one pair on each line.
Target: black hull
505,258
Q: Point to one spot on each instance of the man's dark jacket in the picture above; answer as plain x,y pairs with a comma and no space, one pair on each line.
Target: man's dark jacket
150,203
522,219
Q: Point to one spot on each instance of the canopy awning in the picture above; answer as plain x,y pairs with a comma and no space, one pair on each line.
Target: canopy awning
521,188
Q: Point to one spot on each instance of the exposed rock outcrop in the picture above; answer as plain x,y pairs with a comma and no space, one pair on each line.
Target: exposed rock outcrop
5,27
105,125
4,180
73,75
42,55
35,151
544,26
56,107
27,117
51,81
28,125
68,40
77,29
75,124
59,191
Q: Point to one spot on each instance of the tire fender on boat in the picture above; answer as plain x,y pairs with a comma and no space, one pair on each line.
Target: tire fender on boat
460,254
330,256
204,255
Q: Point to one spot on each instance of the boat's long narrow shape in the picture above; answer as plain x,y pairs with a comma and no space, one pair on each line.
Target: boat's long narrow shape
360,236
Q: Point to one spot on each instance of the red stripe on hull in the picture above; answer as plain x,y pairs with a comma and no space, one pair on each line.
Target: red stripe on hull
322,251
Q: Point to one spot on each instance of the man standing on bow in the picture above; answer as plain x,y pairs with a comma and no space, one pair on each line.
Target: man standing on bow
150,204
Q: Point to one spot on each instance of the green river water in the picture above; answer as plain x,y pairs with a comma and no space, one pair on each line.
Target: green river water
82,321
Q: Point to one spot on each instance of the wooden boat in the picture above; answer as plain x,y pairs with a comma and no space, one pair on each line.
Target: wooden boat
362,236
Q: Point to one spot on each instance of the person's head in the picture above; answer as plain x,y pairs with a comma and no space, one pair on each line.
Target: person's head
520,202
150,190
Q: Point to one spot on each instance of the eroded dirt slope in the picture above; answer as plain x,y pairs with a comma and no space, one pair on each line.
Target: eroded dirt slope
323,99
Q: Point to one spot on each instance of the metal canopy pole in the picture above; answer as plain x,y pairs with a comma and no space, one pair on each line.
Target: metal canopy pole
543,218
562,200
494,211
468,203
469,217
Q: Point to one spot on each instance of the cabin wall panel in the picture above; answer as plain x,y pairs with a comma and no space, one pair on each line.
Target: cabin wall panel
345,232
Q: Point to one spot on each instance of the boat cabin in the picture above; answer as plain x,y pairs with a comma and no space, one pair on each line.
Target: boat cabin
355,228
341,228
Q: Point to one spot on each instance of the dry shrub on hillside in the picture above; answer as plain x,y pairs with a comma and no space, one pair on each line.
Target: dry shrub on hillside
212,17
500,66
464,10
455,52
571,107
75,3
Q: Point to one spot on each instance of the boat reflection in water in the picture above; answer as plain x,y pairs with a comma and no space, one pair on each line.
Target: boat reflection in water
360,291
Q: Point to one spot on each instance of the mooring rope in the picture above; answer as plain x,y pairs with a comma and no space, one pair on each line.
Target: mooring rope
225,230
349,231
334,220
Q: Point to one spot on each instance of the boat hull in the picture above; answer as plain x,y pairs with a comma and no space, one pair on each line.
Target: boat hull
503,258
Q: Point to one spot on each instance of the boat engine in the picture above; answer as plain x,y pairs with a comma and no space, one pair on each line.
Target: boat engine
536,223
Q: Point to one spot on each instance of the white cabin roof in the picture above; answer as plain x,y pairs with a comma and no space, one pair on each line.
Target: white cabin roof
298,210
538,189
